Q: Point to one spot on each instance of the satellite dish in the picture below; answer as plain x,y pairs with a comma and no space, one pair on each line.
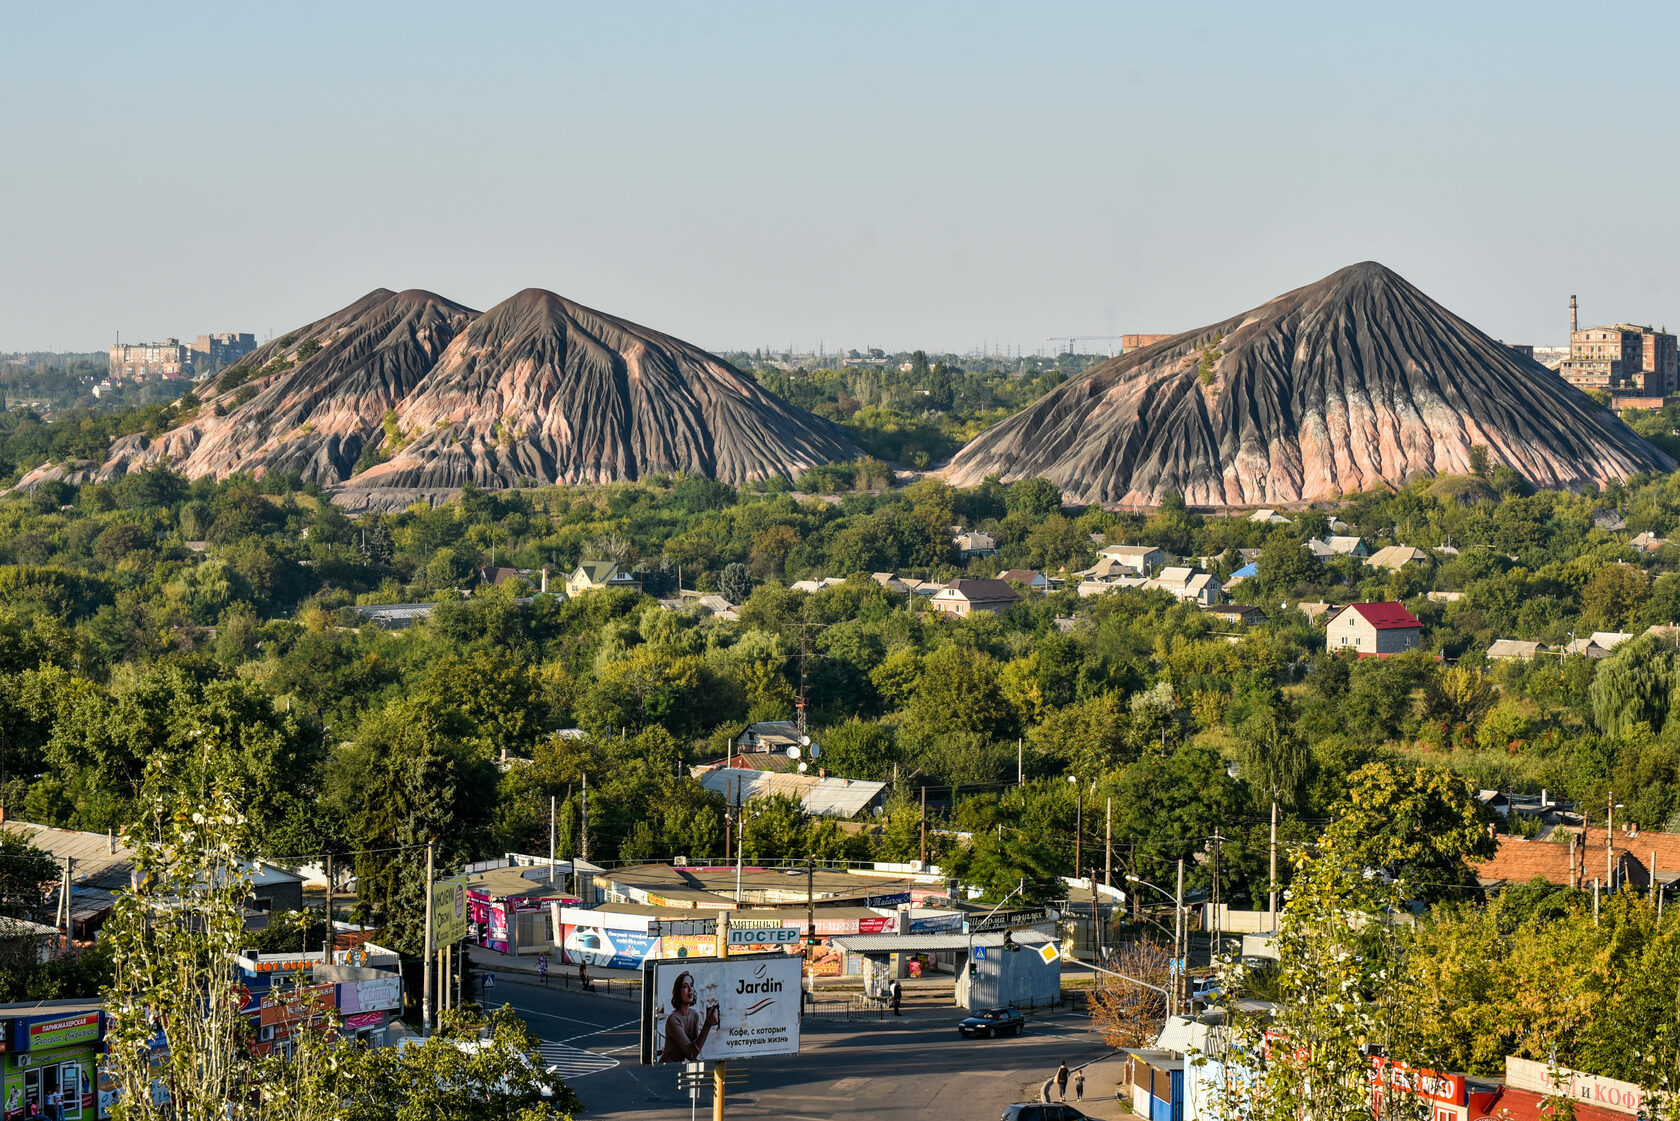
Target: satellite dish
802,767
804,740
793,751
816,751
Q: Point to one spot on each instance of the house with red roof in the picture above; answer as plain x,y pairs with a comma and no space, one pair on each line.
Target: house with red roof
1373,630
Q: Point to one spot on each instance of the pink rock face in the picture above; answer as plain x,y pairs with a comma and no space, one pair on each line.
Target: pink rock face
1356,381
536,390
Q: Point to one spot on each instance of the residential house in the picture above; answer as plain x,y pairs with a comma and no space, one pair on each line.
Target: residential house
1268,517
1244,613
1189,585
1316,610
1648,542
1395,557
1247,572
1443,597
394,616
1108,569
1572,857
891,583
973,543
1374,630
1140,560
964,596
819,794
815,586
767,736
1090,587
592,576
1609,640
1336,546
1513,648
1034,580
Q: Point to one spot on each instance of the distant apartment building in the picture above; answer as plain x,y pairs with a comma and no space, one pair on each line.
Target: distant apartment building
172,358
210,351
134,361
1624,358
1129,343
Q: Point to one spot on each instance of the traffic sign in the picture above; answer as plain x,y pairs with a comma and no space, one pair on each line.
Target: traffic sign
489,980
979,953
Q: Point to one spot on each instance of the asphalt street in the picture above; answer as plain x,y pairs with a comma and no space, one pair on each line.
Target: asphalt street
914,1067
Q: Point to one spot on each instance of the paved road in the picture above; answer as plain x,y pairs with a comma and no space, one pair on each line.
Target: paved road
913,1068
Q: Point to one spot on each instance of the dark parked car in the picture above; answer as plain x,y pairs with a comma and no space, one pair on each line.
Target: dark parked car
1037,1111
993,1022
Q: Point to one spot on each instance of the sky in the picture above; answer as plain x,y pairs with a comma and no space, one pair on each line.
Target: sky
777,174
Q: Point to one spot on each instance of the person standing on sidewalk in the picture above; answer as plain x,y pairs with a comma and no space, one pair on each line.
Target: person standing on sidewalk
1079,1085
1061,1081
897,996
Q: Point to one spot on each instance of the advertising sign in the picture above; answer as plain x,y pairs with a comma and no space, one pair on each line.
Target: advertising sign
363,1020
608,949
771,936
1011,920
936,922
1425,1083
449,911
1526,1074
892,900
376,995
80,1028
709,1010
285,1007
687,946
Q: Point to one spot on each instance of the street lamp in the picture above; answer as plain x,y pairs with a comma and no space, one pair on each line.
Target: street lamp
1019,888
1181,940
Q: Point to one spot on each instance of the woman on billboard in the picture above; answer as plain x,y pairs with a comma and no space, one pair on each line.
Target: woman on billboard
685,1035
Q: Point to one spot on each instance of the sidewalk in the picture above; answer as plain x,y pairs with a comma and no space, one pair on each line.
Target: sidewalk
1101,1078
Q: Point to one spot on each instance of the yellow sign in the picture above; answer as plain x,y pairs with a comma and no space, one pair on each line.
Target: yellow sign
449,912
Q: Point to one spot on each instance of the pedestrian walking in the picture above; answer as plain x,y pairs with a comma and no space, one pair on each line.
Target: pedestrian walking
897,996
542,969
1079,1085
1061,1081
583,978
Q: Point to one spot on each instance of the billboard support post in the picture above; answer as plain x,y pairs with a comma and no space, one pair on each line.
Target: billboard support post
720,1071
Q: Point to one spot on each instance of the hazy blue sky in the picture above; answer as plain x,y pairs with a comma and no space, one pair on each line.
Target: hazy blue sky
897,174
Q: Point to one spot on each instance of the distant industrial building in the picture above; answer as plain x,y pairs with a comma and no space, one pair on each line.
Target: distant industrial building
172,358
1628,360
1129,343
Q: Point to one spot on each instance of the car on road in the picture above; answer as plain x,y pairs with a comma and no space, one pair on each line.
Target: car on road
992,1022
1041,1111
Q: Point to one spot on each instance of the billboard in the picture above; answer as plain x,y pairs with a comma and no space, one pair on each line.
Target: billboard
449,912
606,948
704,1010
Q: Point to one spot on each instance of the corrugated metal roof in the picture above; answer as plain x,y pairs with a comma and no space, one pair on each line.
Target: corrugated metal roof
925,943
830,797
100,860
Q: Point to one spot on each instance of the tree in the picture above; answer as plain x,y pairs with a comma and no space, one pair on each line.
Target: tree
1337,991
1634,684
1033,498
1614,596
1417,825
1129,1014
735,584
1284,564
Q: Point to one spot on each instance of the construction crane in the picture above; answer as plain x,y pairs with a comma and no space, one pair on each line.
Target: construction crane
1071,339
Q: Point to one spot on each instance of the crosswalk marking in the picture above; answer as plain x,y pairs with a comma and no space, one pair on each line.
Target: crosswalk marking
574,1062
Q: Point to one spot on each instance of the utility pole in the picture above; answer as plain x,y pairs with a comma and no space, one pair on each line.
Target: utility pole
740,845
1108,844
1271,904
1610,842
329,940
426,973
551,840
924,827
1020,772
1078,822
583,836
810,925
728,818
1181,938
1218,926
